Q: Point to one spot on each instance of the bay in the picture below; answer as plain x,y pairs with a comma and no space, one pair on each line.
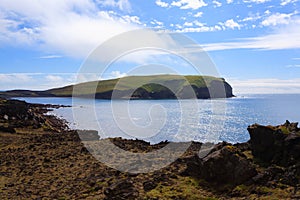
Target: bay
185,120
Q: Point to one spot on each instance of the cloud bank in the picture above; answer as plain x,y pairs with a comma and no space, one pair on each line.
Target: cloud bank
69,27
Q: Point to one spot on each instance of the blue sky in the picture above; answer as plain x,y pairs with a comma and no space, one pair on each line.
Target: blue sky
255,44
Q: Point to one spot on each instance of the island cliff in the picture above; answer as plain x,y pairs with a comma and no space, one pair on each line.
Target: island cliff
139,87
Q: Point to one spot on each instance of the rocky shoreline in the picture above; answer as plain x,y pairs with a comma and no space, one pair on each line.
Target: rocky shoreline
42,159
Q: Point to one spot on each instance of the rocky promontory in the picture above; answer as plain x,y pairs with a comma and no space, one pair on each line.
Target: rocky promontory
42,159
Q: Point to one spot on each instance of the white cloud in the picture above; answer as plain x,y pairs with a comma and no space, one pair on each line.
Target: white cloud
248,19
85,77
198,29
117,74
267,12
292,66
14,78
217,3
251,17
188,24
189,4
277,18
197,23
157,24
35,81
198,14
284,37
288,37
123,5
54,78
256,1
161,3
231,24
229,1
43,81
265,86
286,2
69,27
50,56
131,19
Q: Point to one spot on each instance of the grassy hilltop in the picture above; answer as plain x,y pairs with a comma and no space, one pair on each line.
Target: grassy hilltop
140,87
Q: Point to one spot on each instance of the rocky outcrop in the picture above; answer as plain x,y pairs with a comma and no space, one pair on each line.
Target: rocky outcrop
276,144
122,190
226,164
19,114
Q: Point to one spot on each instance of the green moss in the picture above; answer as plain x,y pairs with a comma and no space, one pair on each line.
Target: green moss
241,190
284,130
185,188
264,190
232,148
248,154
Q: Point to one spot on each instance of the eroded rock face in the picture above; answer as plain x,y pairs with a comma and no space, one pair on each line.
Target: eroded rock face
276,145
19,114
123,189
226,164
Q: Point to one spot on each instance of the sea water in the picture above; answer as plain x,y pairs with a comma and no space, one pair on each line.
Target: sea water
177,120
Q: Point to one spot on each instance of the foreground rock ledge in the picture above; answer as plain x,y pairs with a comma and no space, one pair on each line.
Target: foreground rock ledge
40,158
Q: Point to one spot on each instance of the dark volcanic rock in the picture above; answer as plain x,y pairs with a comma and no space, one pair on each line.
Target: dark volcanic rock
7,129
220,90
122,190
286,176
279,145
19,114
226,165
149,185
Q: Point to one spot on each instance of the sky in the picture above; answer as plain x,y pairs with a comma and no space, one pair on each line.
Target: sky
254,44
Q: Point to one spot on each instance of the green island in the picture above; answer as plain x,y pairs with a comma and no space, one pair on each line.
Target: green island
139,87
42,159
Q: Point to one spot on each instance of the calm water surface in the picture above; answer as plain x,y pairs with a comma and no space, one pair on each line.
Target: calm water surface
158,120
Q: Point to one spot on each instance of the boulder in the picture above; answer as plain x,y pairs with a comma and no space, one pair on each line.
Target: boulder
123,189
226,165
275,145
7,129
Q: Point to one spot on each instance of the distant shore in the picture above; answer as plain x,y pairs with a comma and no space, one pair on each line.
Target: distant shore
42,158
165,86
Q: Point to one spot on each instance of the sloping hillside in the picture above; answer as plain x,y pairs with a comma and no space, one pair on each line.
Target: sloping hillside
139,87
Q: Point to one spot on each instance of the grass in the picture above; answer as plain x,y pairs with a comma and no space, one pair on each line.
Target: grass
185,188
132,82
284,130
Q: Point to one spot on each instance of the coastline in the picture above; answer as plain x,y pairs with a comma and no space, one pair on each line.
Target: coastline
41,157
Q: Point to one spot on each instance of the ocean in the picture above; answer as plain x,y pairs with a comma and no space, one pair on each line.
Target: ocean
184,120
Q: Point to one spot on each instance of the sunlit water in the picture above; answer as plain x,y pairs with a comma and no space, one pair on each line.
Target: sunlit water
159,120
